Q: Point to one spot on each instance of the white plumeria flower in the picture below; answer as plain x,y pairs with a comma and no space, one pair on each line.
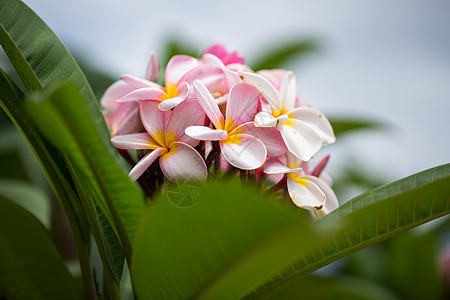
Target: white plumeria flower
303,129
306,191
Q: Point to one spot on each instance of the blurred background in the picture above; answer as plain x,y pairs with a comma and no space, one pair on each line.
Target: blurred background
379,70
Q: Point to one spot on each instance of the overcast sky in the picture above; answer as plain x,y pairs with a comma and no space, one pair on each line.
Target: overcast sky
384,60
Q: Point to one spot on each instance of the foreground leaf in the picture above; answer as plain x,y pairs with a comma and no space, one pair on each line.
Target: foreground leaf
30,266
64,119
367,219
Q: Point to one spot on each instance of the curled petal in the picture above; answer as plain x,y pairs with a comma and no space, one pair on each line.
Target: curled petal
154,120
315,120
152,71
183,91
188,113
275,166
208,104
242,105
305,193
178,66
134,141
147,93
264,86
265,119
183,163
288,92
145,162
300,139
243,151
204,133
331,202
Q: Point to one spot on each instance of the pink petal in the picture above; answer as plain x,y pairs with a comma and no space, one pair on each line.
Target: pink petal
300,139
137,83
188,113
305,193
242,105
275,166
125,119
183,91
270,136
152,70
211,76
134,141
264,86
243,151
183,163
154,120
208,104
275,76
145,162
147,93
315,120
288,92
204,133
116,91
178,66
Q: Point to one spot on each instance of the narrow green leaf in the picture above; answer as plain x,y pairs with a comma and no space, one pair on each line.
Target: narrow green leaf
367,219
347,125
40,59
227,241
30,266
284,52
64,119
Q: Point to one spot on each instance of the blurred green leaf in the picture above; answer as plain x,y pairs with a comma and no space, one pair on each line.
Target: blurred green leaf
30,266
220,247
367,219
40,59
98,80
284,52
330,288
64,119
348,125
33,199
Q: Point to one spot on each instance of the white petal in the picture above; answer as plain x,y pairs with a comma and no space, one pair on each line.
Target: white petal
305,194
145,162
275,166
265,119
331,202
264,86
316,120
300,139
288,91
204,133
183,163
243,151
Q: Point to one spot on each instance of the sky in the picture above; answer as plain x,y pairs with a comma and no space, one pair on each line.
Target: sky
384,60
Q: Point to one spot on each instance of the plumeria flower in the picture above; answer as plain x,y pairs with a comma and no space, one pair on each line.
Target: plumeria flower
303,129
181,71
166,139
306,189
221,52
240,149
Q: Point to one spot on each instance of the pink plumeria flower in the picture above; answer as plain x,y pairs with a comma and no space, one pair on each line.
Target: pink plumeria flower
220,51
306,189
240,149
303,129
166,139
181,71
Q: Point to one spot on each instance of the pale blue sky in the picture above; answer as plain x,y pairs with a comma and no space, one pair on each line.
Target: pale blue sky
386,60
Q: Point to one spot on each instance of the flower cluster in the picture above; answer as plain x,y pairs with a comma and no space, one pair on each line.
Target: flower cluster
214,115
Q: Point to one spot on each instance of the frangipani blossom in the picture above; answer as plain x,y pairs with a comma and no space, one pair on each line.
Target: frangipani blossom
181,71
240,149
221,52
307,190
166,139
304,129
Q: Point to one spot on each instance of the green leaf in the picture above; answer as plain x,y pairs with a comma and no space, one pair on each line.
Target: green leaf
347,125
30,266
330,288
219,247
64,119
367,219
40,59
278,56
